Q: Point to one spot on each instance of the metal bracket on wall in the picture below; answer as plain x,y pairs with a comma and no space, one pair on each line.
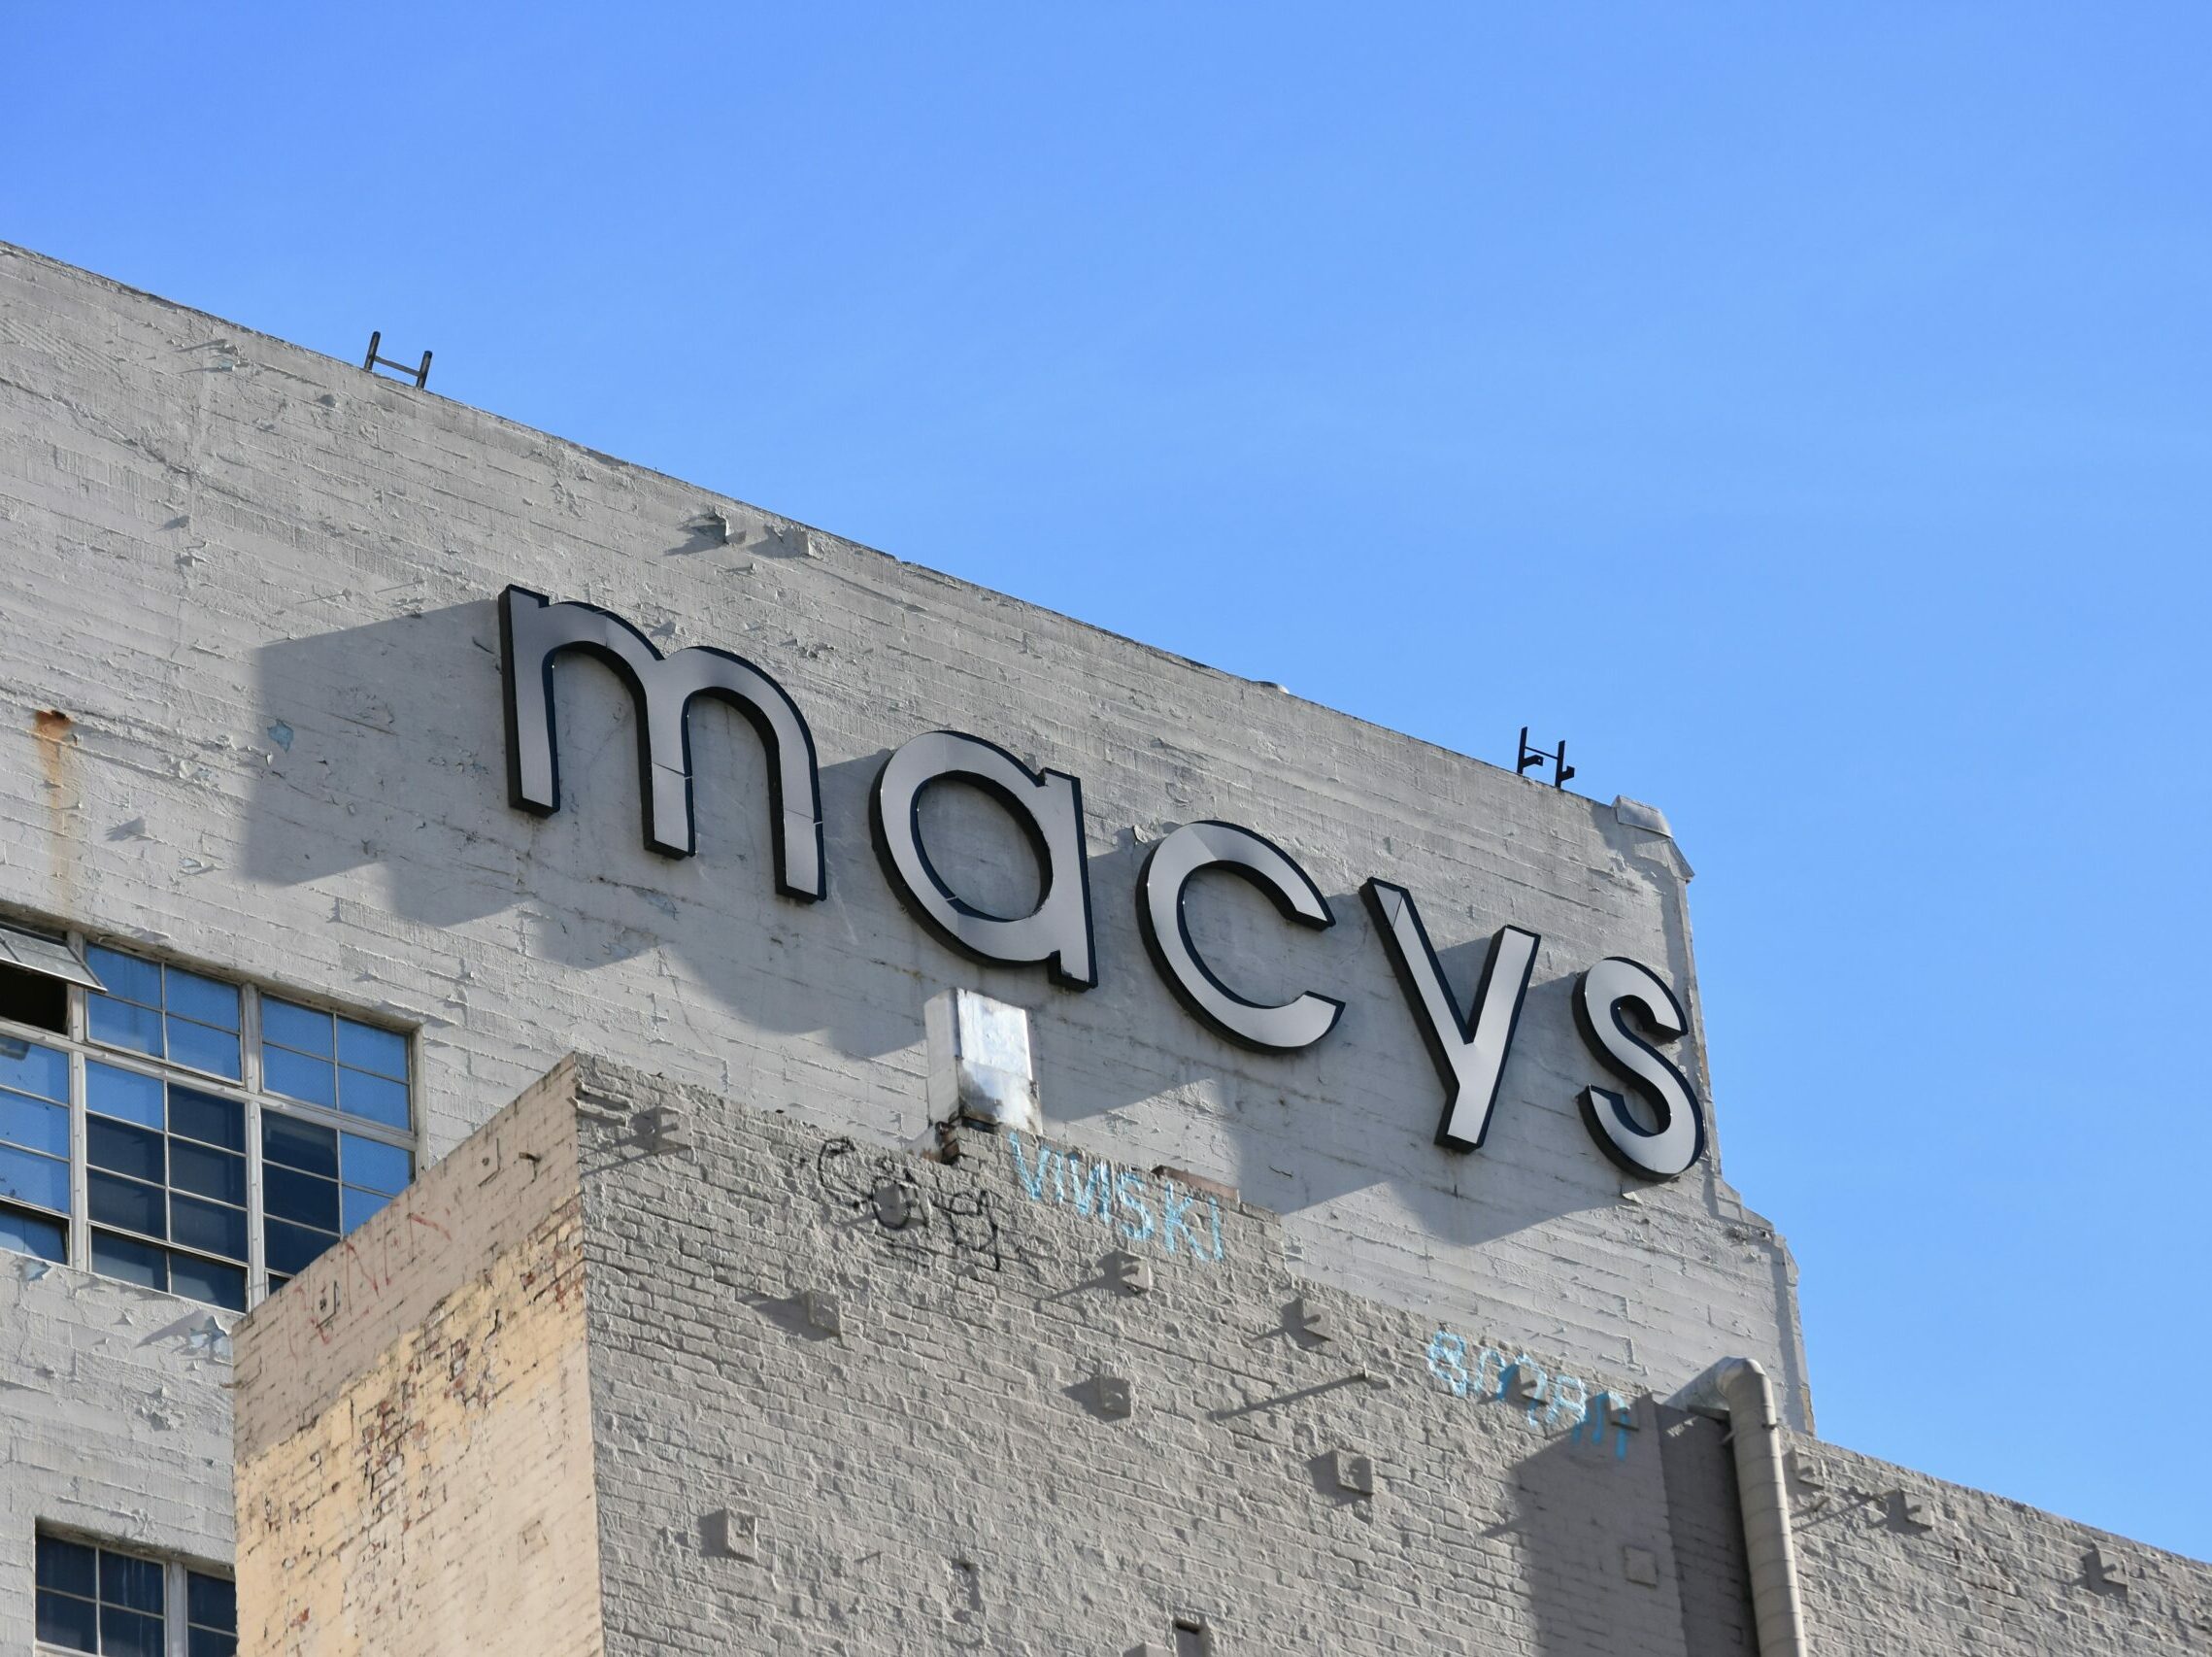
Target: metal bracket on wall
1561,770
663,1128
1129,1272
420,373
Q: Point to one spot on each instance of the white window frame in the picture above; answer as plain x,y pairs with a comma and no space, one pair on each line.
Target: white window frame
249,1091
176,1627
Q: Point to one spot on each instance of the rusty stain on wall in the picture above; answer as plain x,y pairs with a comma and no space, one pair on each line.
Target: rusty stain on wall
56,734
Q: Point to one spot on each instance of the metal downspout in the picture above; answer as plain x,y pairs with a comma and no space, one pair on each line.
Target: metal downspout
1770,1552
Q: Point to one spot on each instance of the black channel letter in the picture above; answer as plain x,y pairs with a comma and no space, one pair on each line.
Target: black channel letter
1469,1053
532,633
1048,806
1679,1140
1167,871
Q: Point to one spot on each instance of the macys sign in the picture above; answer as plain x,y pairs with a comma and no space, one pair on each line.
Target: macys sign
1624,1010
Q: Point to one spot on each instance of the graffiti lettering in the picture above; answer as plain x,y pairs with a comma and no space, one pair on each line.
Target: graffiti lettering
1131,1204
956,1224
1553,1402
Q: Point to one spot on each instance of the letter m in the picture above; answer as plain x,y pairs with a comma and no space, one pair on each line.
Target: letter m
533,632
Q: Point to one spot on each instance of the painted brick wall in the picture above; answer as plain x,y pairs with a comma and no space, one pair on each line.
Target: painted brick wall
939,1474
114,1420
386,1278
847,1400
1900,1563
248,711
1706,1535
944,1471
415,1465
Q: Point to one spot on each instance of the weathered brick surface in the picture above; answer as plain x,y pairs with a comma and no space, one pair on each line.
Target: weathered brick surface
1899,1563
847,1400
414,1464
940,1474
937,1475
1705,1530
258,584
114,1421
441,1232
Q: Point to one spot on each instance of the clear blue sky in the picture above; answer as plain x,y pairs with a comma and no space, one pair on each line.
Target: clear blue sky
1807,412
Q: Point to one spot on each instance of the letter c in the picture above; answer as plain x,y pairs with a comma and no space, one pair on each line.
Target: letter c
1167,871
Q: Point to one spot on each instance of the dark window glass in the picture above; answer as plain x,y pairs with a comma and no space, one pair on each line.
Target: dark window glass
120,1148
128,1633
135,1584
291,1248
208,1280
211,1601
208,1227
30,1234
95,1599
125,1202
66,1622
291,1144
287,1195
207,1642
34,999
203,1210
207,1117
133,1262
205,1171
71,1566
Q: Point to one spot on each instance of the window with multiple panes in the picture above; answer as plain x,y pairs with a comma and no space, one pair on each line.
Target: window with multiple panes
186,1132
102,1600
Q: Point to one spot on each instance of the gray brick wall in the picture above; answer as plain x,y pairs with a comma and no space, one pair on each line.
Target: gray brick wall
949,1468
1900,1563
115,1421
900,1404
1706,1535
759,1388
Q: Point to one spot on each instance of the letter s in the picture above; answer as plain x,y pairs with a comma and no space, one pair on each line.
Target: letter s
1679,1140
